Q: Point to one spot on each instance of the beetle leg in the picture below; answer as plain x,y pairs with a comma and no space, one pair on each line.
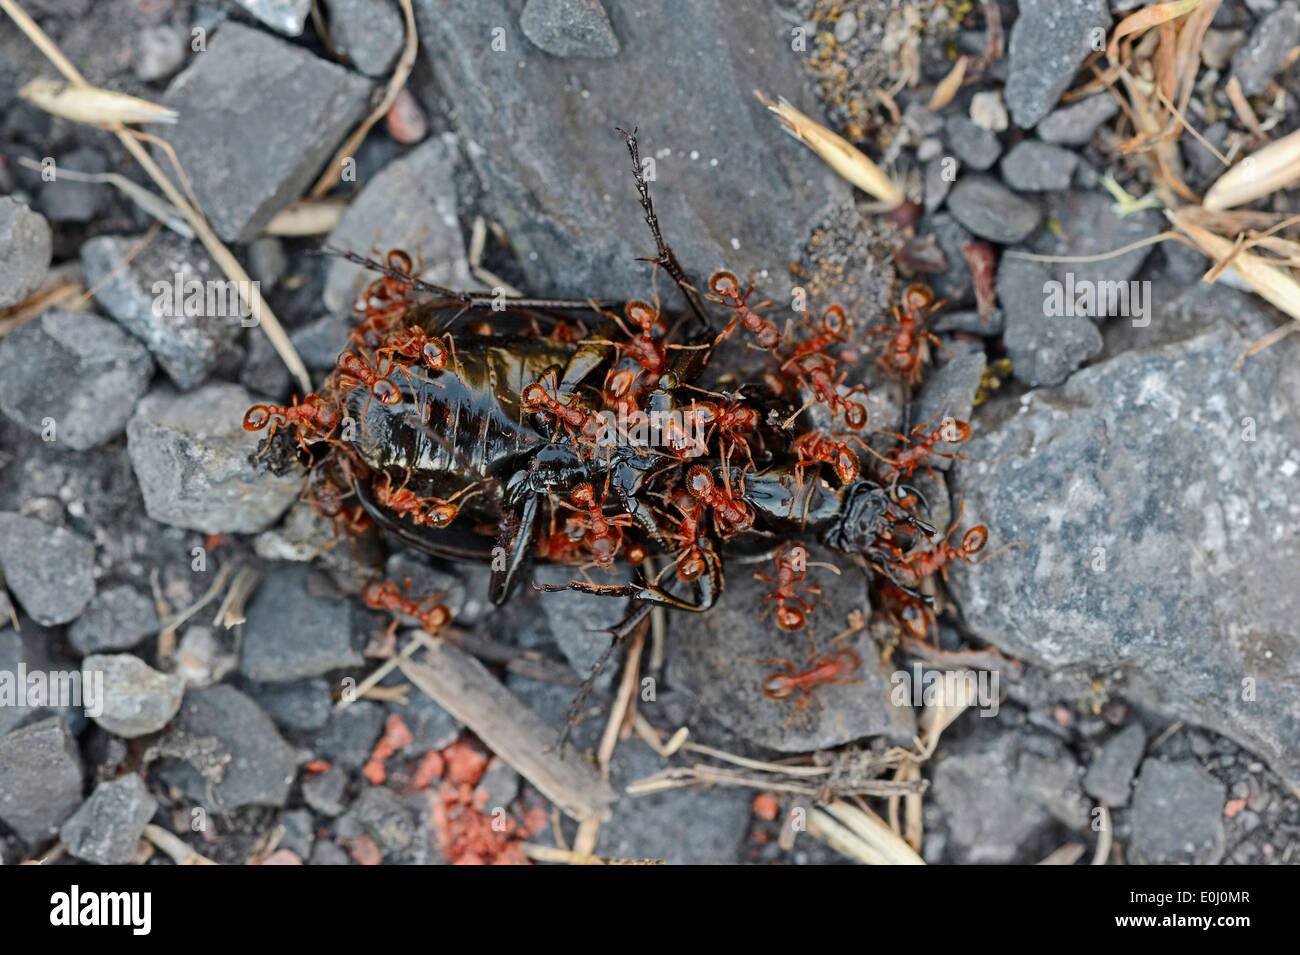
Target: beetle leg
618,636
516,540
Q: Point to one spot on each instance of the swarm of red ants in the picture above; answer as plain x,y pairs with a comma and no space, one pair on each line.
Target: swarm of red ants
512,430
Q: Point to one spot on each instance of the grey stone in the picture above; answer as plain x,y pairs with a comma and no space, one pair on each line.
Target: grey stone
682,827
261,766
990,210
108,825
1090,225
1049,42
250,87
141,296
291,634
159,52
1177,815
136,699
324,791
1263,55
384,819
117,619
286,16
977,147
1111,771
716,657
49,570
940,174
569,27
328,853
318,343
1033,166
431,726
498,787
191,456
25,246
1044,348
304,705
969,320
547,180
954,284
368,32
65,199
37,680
1218,46
79,370
410,205
351,735
949,392
40,779
1143,488
1076,124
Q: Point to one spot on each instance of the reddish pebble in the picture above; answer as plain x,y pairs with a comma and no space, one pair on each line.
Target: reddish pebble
316,766
1233,807
465,764
405,119
375,772
364,851
430,767
765,807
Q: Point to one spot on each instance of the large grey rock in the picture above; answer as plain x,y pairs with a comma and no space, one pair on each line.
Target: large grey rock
261,765
305,705
1177,815
141,297
553,166
48,569
992,211
717,656
191,456
40,779
117,619
250,87
291,634
1155,492
1111,771
37,680
569,27
367,32
410,205
1049,42
136,699
24,250
77,369
1263,55
108,825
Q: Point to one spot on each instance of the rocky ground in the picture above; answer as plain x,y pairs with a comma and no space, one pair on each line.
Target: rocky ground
1153,610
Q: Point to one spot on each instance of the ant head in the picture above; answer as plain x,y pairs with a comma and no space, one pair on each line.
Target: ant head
385,391
436,617
742,418
620,383
372,592
778,686
534,396
847,466
700,482
400,261
257,418
917,297
974,540
691,566
435,355
789,618
725,283
584,495
846,660
440,515
834,321
642,314
855,415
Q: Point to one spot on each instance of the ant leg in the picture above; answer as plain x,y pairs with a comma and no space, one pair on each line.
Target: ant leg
619,634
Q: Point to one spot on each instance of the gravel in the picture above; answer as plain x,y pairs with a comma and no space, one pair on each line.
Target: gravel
1076,124
990,210
974,145
40,779
250,87
137,699
1110,774
569,28
1044,348
286,16
350,737
1261,57
368,32
107,827
72,377
49,570
117,619
24,250
304,705
291,634
1049,42
192,458
324,791
1032,166
65,199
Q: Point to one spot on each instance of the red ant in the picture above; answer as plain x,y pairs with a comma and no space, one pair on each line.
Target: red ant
414,343
912,614
357,373
573,417
902,462
726,289
603,535
384,595
691,562
829,669
327,498
386,300
910,570
815,447
433,511
791,568
648,352
733,420
315,413
834,328
813,372
730,514
903,352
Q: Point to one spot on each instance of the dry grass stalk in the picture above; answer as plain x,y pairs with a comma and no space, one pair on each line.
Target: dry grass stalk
847,160
540,853
860,834
1263,172
82,103
306,217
